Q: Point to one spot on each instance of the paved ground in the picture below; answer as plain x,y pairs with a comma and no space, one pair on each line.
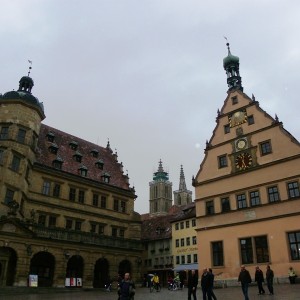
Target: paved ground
282,292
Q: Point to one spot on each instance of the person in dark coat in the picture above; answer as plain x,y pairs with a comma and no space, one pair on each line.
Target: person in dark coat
259,278
206,284
269,279
192,285
126,290
244,279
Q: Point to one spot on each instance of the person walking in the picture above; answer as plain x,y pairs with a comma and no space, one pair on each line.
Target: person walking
269,279
259,278
206,284
192,285
292,275
126,290
244,279
212,284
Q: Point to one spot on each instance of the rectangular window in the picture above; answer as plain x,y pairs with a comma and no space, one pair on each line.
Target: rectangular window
222,161
78,225
261,249
182,242
265,148
42,220
15,164
195,258
181,225
52,221
225,203
4,133
46,188
178,260
250,120
294,245
189,258
69,224
188,241
81,196
187,224
194,240
177,243
93,228
103,202
193,222
1,156
101,229
56,190
95,199
273,194
234,100
246,251
9,196
254,198
121,233
116,205
226,128
123,206
210,209
114,232
177,226
182,259
217,253
241,201
293,189
21,135
72,194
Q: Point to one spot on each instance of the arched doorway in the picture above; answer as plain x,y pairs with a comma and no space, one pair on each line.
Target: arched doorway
42,264
8,263
74,272
124,267
101,273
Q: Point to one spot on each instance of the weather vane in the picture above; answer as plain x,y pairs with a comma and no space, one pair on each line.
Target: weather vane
30,67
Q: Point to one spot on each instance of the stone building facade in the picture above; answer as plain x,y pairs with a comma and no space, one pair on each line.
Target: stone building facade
66,206
247,189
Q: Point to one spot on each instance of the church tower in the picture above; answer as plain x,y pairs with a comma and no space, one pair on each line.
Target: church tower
182,196
160,192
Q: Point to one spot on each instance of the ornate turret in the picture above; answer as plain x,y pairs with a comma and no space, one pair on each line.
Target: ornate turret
231,66
182,196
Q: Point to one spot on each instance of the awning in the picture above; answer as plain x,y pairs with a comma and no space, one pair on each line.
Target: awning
186,267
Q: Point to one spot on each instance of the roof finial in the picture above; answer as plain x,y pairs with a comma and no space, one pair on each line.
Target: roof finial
227,44
30,67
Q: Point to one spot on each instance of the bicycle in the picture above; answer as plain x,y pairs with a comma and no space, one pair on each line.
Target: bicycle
155,286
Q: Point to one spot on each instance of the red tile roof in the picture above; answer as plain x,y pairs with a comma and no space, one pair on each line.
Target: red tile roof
85,148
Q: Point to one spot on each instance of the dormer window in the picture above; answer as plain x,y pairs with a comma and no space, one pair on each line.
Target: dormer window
95,153
77,156
50,136
106,177
57,163
83,171
73,145
53,148
100,164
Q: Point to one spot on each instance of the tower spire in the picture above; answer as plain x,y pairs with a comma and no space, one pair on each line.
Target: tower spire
182,184
231,66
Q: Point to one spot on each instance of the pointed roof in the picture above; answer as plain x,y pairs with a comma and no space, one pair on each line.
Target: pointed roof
160,175
182,184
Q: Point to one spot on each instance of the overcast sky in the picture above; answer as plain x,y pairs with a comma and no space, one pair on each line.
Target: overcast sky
148,74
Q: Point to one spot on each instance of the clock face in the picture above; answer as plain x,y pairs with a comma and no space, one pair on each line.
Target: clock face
243,161
241,144
238,118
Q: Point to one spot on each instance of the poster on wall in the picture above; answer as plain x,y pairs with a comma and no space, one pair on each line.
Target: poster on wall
33,280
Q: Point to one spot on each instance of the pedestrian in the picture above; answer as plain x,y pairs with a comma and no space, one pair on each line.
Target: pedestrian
206,284
244,279
259,278
269,279
292,275
192,285
126,290
212,284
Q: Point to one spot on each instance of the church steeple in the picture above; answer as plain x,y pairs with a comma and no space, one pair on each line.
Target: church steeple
160,192
231,66
182,196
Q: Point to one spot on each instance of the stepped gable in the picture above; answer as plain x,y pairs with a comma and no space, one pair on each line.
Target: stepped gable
65,154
